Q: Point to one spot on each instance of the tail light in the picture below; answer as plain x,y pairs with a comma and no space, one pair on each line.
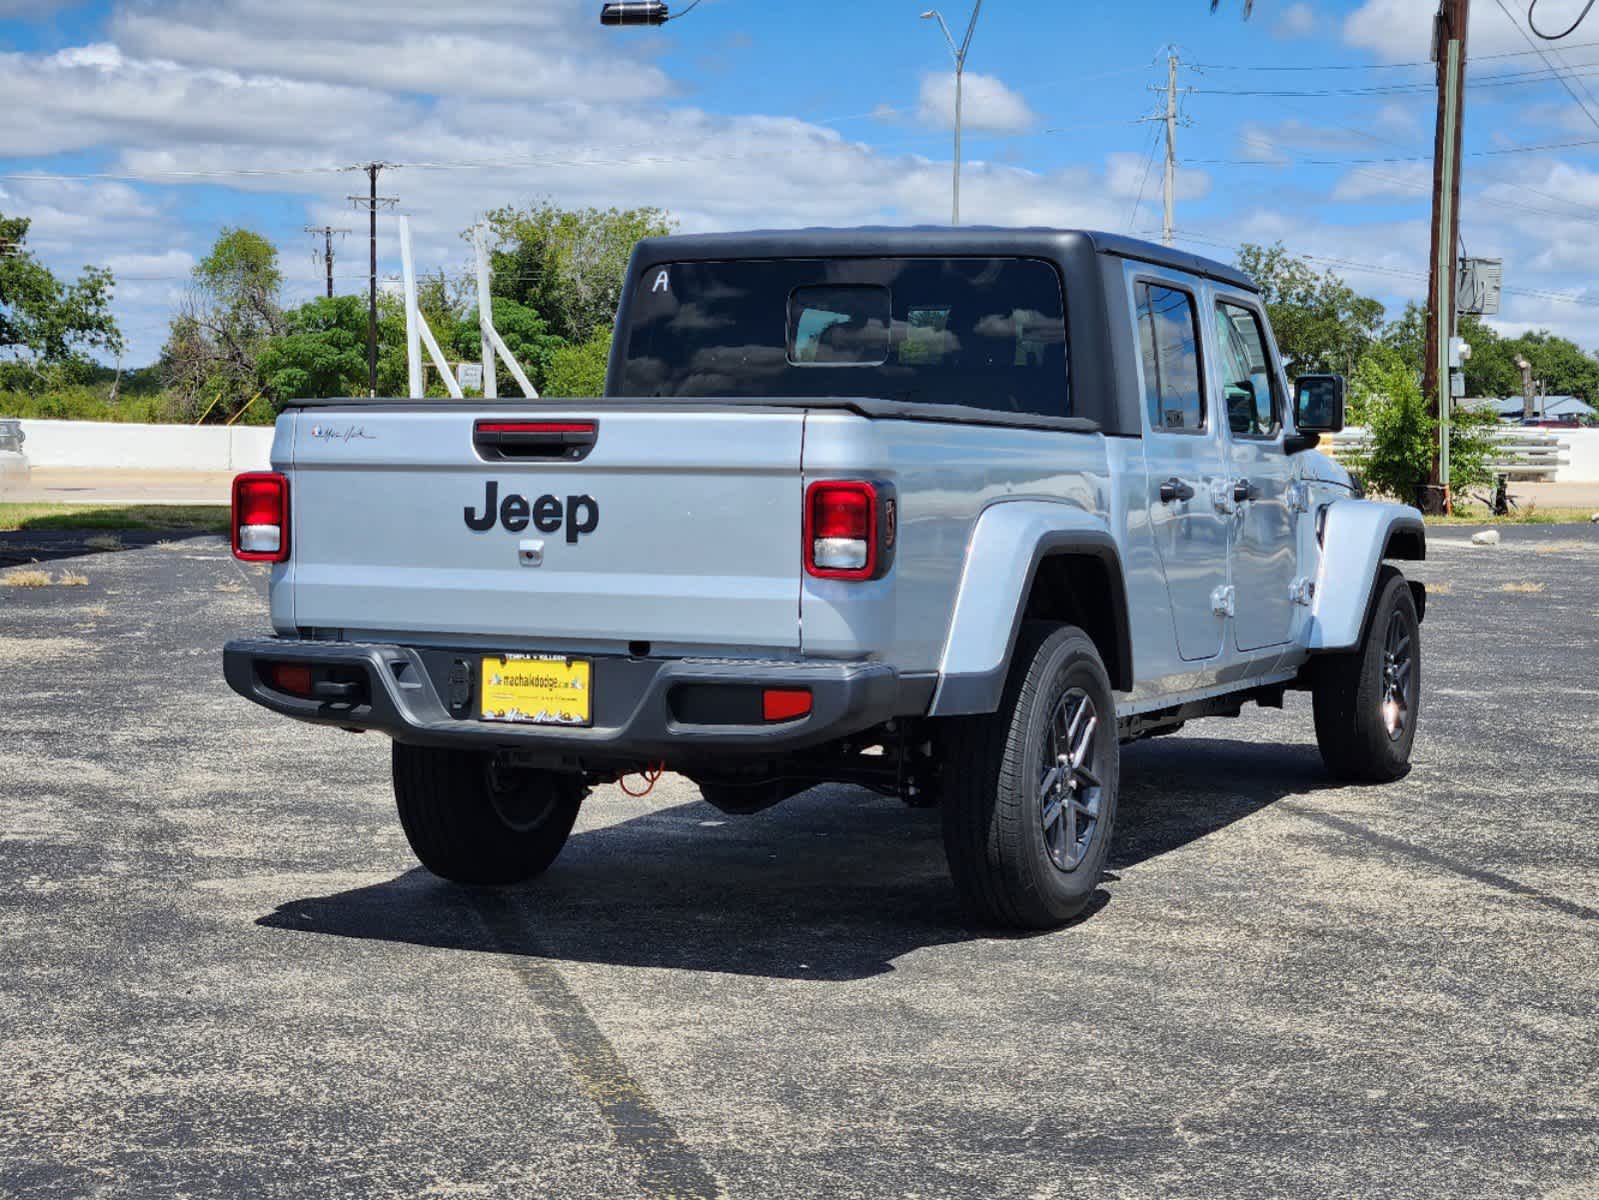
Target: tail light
849,529
261,517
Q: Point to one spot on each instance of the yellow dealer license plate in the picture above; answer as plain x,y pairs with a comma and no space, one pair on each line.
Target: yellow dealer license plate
536,689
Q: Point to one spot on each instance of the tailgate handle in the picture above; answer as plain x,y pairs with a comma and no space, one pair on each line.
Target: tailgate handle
532,440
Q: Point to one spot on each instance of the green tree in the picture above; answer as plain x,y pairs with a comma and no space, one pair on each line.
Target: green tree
47,327
1558,363
218,334
580,370
1321,323
569,265
526,335
1385,397
321,351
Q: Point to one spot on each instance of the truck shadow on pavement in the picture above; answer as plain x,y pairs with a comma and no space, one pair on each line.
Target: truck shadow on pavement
832,885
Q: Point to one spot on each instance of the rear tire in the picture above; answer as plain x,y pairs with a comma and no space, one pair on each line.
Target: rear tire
1029,791
472,821
1367,701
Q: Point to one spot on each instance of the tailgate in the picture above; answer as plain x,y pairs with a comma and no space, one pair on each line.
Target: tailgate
674,527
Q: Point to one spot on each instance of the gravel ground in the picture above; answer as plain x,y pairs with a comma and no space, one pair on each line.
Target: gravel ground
225,976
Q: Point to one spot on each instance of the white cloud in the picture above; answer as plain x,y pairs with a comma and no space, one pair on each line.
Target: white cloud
1296,21
505,51
92,96
1402,181
1126,176
986,104
1401,30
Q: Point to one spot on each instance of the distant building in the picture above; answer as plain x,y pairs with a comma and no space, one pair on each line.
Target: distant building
1552,408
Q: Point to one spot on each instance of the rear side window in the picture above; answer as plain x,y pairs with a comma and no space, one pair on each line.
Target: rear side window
1168,340
985,333
1248,382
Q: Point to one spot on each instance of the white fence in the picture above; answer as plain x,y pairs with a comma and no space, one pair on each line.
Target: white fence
1548,455
108,445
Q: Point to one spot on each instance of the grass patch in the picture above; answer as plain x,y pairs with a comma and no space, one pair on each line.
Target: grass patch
160,518
1526,587
26,579
1566,546
104,542
32,578
1477,514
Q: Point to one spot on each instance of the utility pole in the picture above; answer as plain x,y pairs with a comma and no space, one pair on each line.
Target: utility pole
1170,117
1171,150
370,202
1449,52
327,232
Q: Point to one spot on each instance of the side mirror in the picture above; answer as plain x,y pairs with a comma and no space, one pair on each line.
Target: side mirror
1319,403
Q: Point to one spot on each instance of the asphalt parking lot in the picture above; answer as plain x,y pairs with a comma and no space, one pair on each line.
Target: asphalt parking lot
223,974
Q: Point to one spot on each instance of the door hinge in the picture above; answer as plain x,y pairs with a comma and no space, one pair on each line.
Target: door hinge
1298,497
1222,601
1302,591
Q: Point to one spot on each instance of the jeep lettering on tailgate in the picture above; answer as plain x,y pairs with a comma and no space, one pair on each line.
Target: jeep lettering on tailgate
581,514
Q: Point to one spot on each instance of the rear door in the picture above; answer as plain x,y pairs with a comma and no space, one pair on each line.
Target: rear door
1264,550
1182,458
660,524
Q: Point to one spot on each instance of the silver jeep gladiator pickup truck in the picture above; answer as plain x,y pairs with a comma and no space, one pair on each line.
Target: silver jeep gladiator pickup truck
948,514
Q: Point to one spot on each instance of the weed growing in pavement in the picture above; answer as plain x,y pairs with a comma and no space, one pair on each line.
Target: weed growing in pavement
27,579
1526,586
31,578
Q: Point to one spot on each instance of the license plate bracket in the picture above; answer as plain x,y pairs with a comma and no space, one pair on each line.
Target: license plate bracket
536,689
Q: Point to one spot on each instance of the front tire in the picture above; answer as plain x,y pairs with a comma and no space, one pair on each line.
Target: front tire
1030,790
472,820
1367,701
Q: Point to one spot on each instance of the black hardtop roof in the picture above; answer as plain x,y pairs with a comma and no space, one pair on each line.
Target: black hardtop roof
900,240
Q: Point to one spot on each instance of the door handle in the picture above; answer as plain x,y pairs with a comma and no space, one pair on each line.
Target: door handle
1244,490
1175,489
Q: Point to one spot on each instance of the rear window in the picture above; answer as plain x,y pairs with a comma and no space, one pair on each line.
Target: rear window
985,333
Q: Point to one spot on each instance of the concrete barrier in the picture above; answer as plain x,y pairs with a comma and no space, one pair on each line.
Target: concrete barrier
114,446
1582,455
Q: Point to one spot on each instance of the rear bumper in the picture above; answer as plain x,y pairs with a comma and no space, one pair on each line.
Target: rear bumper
638,703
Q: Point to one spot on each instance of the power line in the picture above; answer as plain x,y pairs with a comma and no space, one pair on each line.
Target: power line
1149,162
1398,66
1532,6
1586,111
1398,272
1552,74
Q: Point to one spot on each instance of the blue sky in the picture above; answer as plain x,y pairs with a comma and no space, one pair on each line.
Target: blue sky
138,129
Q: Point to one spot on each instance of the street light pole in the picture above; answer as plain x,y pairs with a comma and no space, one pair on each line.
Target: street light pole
959,54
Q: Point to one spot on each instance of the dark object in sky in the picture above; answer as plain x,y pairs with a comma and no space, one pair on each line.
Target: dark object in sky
1248,7
634,12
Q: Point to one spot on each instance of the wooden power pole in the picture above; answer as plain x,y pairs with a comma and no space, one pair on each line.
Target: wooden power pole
326,232
371,202
1449,53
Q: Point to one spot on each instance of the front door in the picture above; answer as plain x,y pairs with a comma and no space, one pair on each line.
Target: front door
1183,461
1264,548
